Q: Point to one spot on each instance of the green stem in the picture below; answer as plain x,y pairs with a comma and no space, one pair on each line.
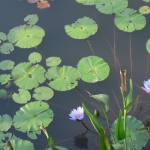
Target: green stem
125,114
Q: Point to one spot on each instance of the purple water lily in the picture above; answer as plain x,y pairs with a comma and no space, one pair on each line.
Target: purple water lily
147,86
77,114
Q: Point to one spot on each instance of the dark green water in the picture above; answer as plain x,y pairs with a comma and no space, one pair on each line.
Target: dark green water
107,41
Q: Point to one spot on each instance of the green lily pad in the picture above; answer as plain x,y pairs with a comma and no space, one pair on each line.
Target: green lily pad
6,64
31,19
35,57
82,28
4,138
32,115
146,1
3,93
87,2
53,61
3,36
93,69
43,93
144,10
4,78
6,48
129,20
111,6
59,147
136,138
148,45
5,122
22,97
28,76
32,134
63,78
25,36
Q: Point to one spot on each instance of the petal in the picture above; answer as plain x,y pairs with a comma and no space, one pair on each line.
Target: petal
145,89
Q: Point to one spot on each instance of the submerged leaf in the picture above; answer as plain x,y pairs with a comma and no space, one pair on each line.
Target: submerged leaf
31,19
86,2
82,28
6,65
35,57
3,93
25,37
6,48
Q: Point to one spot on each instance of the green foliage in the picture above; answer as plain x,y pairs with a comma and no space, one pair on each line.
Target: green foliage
6,48
28,76
53,61
86,2
3,36
111,6
148,45
35,57
82,28
128,20
5,122
118,146
93,69
147,1
6,64
43,93
4,78
26,37
29,117
22,97
144,10
32,134
3,93
31,19
63,78
58,147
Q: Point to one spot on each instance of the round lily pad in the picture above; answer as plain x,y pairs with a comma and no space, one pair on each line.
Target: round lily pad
3,36
111,6
136,135
93,69
32,115
53,61
63,78
43,93
87,2
6,65
35,57
144,10
31,19
28,76
6,48
5,122
3,93
26,36
128,20
82,28
4,78
59,147
22,97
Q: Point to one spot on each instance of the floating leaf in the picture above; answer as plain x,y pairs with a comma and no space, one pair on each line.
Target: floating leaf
3,36
22,97
111,6
3,93
129,20
58,147
25,36
4,138
93,69
6,48
144,10
32,134
32,115
148,45
53,61
118,146
82,28
6,64
31,19
5,122
146,1
63,78
43,93
35,57
136,138
28,76
86,2
4,78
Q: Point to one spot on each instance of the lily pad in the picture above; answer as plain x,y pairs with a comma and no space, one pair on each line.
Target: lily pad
32,115
82,28
111,6
53,61
35,57
146,1
4,138
32,134
63,78
5,122
3,93
59,147
87,2
148,45
4,78
144,10
6,64
31,19
93,69
6,48
26,36
136,136
3,36
43,93
128,20
22,97
28,76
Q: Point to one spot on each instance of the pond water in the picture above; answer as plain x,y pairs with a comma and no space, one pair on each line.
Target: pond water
109,43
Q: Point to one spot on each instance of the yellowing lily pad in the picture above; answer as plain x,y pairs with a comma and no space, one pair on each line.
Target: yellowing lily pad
144,10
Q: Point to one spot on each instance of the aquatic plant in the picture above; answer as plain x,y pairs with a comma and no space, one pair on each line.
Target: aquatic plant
144,10
35,57
87,2
31,19
7,64
53,61
146,86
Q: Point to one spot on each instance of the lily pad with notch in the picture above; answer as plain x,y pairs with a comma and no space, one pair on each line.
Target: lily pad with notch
93,69
6,64
5,122
35,57
87,2
28,76
6,48
63,78
53,61
31,19
82,28
4,78
144,10
3,36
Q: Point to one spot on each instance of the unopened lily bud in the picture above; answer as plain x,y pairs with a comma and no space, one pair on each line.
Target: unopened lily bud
96,113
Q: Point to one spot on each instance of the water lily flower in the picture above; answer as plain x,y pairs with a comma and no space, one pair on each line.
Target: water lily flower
77,114
147,86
